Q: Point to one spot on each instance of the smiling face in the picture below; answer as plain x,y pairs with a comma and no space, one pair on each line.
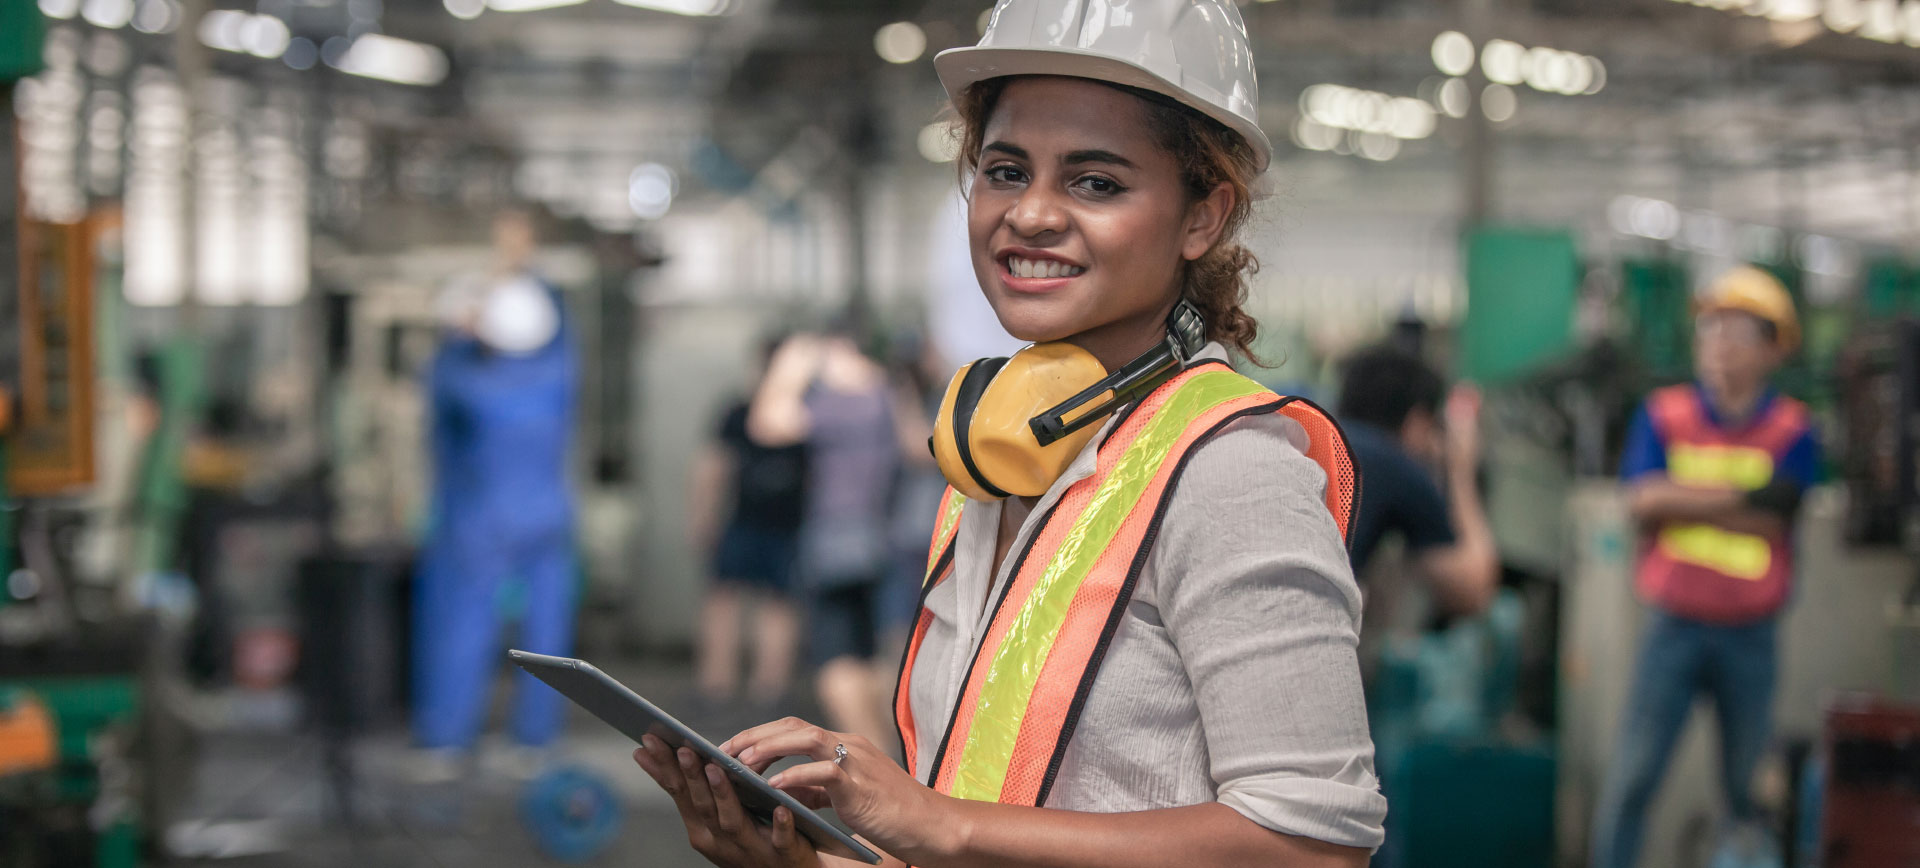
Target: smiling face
1080,221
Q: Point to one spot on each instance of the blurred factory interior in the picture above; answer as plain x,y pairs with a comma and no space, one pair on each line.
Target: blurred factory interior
233,232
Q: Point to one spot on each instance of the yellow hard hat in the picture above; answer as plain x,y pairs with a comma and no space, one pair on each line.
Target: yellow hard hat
1751,290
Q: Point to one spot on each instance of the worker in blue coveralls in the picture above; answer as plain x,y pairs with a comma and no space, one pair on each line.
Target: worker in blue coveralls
503,388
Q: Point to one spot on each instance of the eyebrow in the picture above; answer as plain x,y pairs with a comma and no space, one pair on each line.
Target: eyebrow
1073,158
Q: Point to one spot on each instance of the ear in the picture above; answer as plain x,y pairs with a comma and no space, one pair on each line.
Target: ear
1205,221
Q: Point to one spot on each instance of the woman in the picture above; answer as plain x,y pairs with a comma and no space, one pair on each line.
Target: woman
1103,200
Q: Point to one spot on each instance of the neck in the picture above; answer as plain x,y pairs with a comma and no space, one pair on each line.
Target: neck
1735,401
1118,343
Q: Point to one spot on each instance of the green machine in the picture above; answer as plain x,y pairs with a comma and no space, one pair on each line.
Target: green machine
79,810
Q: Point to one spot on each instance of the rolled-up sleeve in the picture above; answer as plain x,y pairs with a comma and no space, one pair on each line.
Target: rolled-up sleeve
1256,594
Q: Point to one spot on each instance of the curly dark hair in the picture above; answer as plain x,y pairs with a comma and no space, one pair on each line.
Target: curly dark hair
1209,154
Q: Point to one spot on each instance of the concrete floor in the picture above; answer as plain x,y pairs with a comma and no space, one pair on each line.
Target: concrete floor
260,799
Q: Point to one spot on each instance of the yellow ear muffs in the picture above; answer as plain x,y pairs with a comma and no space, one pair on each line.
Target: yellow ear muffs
983,439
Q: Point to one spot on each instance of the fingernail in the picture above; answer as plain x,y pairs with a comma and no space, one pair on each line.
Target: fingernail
726,746
775,780
686,758
646,741
713,775
746,755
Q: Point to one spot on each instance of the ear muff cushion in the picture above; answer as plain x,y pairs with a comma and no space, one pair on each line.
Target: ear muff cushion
965,400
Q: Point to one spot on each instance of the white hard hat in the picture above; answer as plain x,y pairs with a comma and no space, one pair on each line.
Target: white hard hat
1194,51
517,317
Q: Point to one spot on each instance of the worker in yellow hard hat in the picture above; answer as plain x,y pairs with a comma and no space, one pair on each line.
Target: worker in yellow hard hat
1715,470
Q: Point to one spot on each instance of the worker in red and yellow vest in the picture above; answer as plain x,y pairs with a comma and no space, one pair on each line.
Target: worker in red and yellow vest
1136,638
1715,470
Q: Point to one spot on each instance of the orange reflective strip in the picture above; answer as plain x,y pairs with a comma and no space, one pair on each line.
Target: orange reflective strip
903,698
1044,725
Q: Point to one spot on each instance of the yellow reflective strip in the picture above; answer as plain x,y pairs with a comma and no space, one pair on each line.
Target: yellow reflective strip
1742,556
1742,467
956,503
1022,655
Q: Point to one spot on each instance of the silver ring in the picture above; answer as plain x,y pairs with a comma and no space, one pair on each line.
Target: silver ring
839,754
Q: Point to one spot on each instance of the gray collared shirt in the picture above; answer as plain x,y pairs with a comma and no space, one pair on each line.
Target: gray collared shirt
1233,675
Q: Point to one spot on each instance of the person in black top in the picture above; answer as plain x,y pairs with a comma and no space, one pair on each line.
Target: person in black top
1390,409
753,554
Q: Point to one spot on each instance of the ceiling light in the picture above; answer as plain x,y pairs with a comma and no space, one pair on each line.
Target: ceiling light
1378,147
111,14
1843,16
1504,62
465,10
400,61
1314,136
221,29
1454,97
900,42
1910,21
681,7
156,16
529,5
1599,76
265,36
1791,10
1410,119
1453,53
1882,24
301,53
650,190
1498,102
60,9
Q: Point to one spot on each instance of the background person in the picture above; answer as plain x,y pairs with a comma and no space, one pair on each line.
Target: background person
744,507
1716,469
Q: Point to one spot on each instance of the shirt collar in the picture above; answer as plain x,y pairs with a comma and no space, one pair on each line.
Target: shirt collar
1760,407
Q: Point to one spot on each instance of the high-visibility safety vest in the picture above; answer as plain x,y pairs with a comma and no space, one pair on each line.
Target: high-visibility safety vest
1031,674
1703,571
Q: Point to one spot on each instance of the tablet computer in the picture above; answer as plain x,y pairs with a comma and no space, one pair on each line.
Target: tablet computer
634,716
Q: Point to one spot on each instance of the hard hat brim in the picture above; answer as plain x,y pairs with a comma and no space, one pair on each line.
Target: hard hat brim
960,68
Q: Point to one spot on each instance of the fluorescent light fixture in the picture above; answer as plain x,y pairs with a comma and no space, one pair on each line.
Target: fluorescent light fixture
110,14
681,7
900,42
1453,53
221,29
60,9
396,60
529,5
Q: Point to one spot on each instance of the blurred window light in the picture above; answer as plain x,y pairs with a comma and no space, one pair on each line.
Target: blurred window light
157,16
1453,53
111,14
1455,98
466,10
1499,103
388,58
1504,62
529,5
60,9
900,42
682,7
1883,21
937,143
650,190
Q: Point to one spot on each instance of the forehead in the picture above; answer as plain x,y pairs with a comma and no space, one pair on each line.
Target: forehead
1057,113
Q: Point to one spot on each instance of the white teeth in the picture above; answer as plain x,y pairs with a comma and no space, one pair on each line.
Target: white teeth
1042,268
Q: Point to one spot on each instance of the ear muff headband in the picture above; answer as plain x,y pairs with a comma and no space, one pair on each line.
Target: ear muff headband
965,400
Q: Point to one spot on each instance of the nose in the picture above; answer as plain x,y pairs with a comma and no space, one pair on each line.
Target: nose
1038,212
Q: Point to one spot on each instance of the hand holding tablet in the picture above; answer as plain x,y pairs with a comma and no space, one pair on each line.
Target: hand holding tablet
712,784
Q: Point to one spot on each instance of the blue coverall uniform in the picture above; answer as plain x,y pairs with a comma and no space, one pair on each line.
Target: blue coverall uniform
503,513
